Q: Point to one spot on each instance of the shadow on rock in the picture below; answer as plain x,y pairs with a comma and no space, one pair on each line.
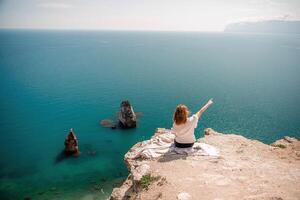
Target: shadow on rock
170,157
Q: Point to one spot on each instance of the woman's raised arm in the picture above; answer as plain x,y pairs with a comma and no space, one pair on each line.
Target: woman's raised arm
203,109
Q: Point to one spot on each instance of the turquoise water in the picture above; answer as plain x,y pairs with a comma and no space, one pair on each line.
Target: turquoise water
51,81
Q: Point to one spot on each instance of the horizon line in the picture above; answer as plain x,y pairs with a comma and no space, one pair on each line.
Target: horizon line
99,29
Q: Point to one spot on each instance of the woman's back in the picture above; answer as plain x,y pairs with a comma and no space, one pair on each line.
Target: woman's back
185,132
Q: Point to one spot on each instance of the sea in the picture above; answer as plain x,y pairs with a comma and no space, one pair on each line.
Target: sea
54,80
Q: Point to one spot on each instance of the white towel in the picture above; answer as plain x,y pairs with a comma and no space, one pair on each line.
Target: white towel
162,143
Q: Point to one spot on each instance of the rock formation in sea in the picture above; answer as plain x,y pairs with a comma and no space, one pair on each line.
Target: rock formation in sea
127,117
71,144
108,123
244,169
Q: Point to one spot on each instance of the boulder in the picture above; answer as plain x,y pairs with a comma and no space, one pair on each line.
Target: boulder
71,144
127,117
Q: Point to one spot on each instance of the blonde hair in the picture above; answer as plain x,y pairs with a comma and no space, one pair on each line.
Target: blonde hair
181,114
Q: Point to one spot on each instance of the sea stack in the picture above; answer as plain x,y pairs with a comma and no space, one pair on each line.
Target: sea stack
127,117
71,144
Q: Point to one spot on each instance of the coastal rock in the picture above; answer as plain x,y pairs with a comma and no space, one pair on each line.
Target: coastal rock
183,196
210,131
71,144
290,139
285,142
245,169
124,118
140,171
127,117
122,192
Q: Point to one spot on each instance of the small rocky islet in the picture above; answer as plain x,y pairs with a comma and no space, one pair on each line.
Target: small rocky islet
126,117
71,144
71,147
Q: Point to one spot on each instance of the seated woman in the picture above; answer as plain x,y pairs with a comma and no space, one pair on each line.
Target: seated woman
184,126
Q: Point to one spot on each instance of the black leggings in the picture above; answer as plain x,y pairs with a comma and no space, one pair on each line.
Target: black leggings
183,145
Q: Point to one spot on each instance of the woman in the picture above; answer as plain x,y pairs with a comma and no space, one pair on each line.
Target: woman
184,126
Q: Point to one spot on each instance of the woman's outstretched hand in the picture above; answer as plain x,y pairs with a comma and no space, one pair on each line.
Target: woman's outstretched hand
210,102
203,109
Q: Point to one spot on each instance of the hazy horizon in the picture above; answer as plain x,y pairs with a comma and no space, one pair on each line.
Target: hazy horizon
141,15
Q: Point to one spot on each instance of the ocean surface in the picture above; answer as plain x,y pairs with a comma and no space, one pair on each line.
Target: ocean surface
51,81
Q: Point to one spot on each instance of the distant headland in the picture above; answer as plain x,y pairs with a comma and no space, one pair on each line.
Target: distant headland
268,26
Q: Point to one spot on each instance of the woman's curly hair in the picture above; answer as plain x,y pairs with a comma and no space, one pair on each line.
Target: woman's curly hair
181,114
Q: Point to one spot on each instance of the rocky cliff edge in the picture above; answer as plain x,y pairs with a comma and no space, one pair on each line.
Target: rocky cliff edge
246,169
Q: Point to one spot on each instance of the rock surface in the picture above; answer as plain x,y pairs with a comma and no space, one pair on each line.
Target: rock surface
127,117
183,196
246,169
71,144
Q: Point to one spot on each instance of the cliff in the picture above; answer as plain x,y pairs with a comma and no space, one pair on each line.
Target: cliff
245,169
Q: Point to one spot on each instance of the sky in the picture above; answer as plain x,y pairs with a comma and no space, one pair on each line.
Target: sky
162,15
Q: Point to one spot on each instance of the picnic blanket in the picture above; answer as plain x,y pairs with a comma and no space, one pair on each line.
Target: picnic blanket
162,143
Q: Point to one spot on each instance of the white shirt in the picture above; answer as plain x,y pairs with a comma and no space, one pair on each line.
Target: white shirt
185,132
